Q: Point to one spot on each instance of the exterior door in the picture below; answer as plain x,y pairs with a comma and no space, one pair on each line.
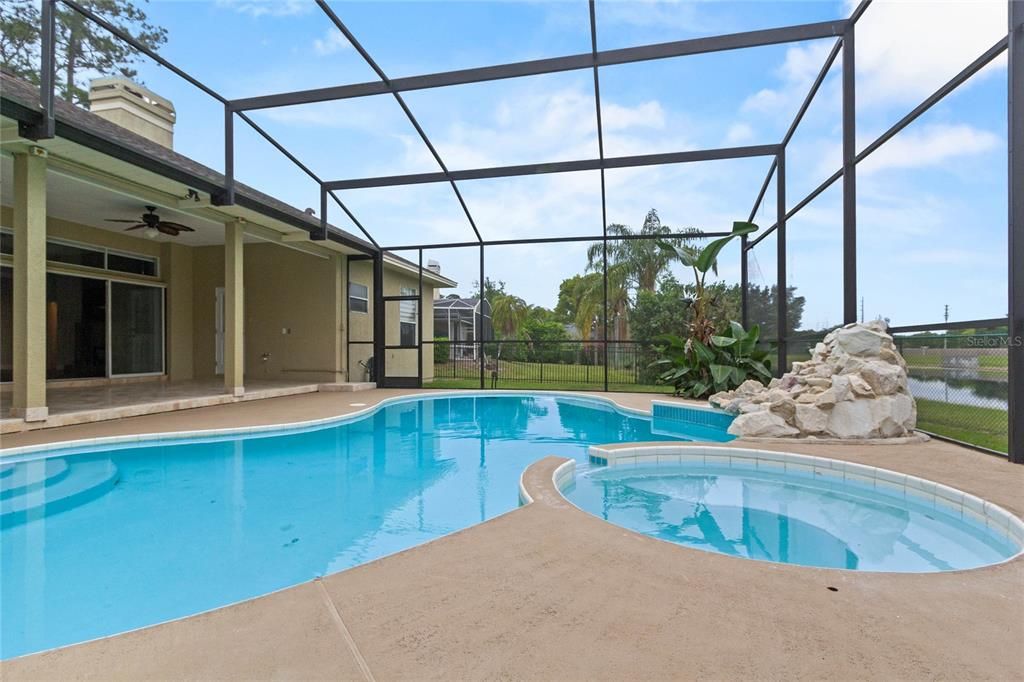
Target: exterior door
403,324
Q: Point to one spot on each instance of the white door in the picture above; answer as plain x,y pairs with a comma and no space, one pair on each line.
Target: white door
218,317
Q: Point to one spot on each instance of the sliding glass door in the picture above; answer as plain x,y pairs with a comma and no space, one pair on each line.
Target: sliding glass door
76,327
83,341
136,329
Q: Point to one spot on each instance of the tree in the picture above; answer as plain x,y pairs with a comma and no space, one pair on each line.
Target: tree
701,261
569,293
82,48
665,311
643,260
507,313
492,289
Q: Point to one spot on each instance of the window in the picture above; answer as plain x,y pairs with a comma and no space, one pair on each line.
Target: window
74,255
136,329
85,255
135,265
358,298
407,319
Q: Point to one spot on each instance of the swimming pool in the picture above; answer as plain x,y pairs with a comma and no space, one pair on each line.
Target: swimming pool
139,533
795,509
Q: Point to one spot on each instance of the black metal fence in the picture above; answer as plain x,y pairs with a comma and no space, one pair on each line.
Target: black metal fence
624,365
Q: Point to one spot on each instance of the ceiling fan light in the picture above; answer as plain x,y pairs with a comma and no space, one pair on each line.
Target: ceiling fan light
151,232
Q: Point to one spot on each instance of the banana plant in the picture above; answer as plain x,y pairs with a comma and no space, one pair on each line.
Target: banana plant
703,260
697,369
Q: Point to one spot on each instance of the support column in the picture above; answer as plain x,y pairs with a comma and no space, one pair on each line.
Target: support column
29,286
782,281
339,269
234,309
744,284
849,180
1015,406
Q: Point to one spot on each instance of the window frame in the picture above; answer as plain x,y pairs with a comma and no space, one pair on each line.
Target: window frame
365,299
409,291
104,250
108,351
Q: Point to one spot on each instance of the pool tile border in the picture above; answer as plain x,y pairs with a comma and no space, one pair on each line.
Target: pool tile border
956,502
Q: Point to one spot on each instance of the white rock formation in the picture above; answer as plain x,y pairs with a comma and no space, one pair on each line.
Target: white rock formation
854,386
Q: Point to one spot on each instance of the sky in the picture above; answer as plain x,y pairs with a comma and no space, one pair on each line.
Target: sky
931,203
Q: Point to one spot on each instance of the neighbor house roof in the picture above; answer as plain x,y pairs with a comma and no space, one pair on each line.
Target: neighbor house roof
19,100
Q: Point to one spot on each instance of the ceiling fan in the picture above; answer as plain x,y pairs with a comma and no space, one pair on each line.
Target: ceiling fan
152,225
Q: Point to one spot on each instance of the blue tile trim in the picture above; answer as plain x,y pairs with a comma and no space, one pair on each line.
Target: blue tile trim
715,419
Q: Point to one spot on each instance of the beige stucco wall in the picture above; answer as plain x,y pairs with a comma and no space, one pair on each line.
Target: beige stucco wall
292,314
207,275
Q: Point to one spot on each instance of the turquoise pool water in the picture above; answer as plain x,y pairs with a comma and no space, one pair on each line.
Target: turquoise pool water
117,538
825,522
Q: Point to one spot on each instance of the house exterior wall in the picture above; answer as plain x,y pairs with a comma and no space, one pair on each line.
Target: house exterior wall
296,307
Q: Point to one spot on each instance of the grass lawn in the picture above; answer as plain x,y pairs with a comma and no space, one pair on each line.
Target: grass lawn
935,362
984,426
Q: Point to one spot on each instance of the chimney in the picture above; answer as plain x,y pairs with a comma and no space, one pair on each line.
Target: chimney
134,108
434,267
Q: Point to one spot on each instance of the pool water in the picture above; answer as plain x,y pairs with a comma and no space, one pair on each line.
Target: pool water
824,522
144,533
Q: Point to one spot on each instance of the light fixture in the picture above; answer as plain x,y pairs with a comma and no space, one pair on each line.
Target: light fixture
151,232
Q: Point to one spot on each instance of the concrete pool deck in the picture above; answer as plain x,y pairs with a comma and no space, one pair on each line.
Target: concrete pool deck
550,592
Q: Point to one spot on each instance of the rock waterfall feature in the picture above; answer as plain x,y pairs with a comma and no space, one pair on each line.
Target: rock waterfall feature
853,387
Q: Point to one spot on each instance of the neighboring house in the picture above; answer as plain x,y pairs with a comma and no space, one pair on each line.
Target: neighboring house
463,321
245,293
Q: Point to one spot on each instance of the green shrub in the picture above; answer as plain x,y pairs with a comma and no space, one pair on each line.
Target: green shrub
697,370
442,350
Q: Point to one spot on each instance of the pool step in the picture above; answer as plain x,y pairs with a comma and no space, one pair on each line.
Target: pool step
24,477
80,482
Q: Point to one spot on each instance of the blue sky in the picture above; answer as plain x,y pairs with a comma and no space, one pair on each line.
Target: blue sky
931,205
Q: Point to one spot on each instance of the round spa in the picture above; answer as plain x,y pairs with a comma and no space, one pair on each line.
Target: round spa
795,509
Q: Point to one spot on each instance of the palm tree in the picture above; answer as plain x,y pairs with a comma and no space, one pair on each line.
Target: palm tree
508,312
644,261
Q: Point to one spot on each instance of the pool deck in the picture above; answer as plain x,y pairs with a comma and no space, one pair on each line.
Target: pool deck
550,592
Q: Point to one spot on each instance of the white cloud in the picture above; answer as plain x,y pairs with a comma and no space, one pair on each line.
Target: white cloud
932,145
333,41
272,8
797,73
661,14
647,115
917,147
739,133
906,49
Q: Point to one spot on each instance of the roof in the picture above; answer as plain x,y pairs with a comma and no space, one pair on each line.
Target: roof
455,302
20,101
460,304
